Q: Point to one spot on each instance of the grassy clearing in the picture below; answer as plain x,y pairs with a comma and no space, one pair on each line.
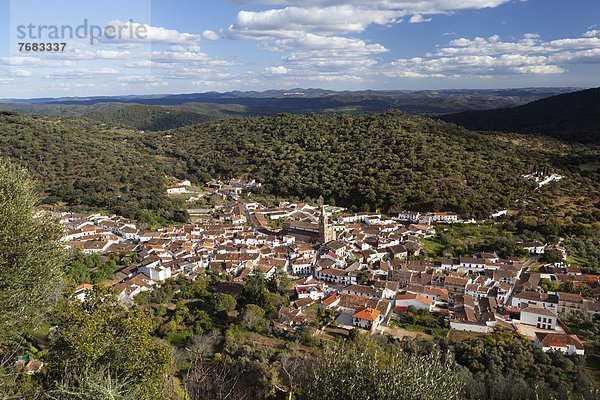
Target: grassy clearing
432,248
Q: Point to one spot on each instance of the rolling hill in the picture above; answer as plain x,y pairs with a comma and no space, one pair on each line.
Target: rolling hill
294,101
144,117
388,161
571,116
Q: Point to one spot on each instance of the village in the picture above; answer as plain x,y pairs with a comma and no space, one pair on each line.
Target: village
366,271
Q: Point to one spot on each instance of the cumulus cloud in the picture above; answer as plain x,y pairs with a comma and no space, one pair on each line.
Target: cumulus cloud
210,35
408,6
592,33
280,70
135,32
289,22
418,18
317,34
485,57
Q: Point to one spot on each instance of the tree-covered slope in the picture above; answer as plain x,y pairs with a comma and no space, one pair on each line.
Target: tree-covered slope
387,161
85,164
151,118
572,116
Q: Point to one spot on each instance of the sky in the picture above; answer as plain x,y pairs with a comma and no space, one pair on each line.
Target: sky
121,47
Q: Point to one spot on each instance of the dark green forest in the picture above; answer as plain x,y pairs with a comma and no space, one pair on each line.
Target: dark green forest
389,161
151,118
572,116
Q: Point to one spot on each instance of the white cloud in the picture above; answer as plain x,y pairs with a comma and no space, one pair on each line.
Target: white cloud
73,85
539,69
290,22
408,6
83,73
138,78
592,33
111,54
210,35
418,18
486,57
280,70
21,73
315,33
135,32
35,62
335,78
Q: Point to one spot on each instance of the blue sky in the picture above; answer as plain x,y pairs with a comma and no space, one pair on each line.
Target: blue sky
198,46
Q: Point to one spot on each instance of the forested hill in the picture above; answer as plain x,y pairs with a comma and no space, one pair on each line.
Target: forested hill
294,101
151,118
389,161
572,116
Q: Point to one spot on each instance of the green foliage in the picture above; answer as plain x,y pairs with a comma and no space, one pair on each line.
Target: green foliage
87,165
549,286
99,335
99,386
253,317
551,256
586,325
467,239
90,268
586,248
364,369
388,161
31,256
255,291
362,278
515,368
224,303
553,116
422,317
151,118
279,282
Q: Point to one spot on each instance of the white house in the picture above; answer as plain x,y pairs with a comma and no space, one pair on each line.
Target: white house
471,264
177,190
413,299
129,232
544,300
499,213
569,344
539,317
156,272
313,292
363,290
409,215
337,276
445,217
534,247
435,294
81,291
301,266
367,318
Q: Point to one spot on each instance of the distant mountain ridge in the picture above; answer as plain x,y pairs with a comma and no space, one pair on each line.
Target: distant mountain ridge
295,101
571,116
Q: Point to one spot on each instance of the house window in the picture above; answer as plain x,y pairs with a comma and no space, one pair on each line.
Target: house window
539,319
544,319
